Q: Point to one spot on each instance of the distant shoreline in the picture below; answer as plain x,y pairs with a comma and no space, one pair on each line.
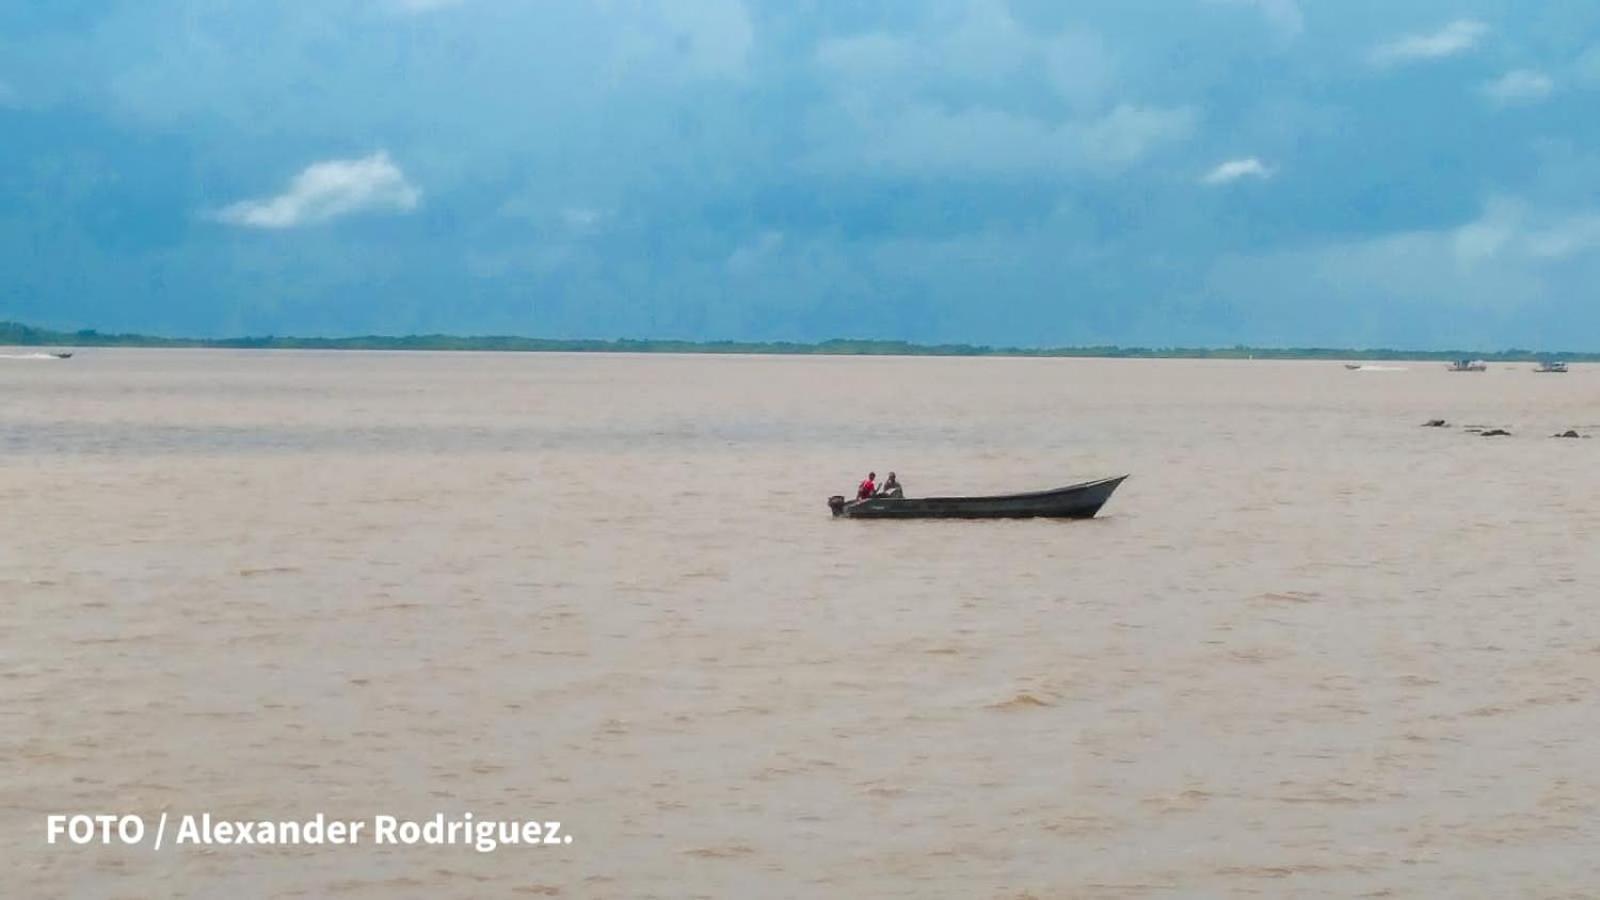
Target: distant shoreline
19,335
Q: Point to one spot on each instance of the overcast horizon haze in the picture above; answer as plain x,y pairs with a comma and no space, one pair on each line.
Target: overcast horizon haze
1423,175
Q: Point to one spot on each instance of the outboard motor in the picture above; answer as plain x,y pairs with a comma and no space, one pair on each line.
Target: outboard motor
836,503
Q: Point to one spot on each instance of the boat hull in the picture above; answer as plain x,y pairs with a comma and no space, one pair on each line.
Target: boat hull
1078,501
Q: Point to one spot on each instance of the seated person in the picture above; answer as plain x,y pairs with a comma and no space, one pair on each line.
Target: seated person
891,488
868,486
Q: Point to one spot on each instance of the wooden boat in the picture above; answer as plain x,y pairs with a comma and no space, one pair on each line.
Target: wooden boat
1554,367
1078,501
1469,365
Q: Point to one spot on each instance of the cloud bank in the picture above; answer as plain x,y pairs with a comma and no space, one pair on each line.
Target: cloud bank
1003,171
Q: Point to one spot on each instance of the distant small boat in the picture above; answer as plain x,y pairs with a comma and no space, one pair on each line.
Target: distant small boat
1469,365
62,355
1352,366
1552,366
1078,501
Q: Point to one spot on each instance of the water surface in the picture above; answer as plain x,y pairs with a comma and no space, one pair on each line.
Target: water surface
1310,648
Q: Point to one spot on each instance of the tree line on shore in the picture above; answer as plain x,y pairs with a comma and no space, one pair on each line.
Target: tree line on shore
17,334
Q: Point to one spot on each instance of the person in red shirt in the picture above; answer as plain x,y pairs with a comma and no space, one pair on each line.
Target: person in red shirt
868,487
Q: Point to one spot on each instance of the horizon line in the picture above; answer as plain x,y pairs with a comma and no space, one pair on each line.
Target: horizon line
23,335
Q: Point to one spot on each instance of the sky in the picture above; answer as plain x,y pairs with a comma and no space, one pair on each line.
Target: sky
1361,173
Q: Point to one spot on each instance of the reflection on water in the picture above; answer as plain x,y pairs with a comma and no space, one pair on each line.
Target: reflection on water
1309,648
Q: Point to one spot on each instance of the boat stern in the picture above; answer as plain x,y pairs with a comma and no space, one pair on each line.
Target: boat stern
836,503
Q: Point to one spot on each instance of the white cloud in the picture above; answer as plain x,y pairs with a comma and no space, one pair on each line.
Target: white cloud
1235,169
328,190
1520,86
1455,38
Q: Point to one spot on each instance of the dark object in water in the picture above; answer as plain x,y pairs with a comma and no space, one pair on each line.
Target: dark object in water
1569,433
62,355
1436,423
1078,501
1495,432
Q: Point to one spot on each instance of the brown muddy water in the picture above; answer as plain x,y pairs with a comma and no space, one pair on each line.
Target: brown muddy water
1309,649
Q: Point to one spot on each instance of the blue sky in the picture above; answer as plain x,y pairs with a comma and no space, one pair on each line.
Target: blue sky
1332,172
